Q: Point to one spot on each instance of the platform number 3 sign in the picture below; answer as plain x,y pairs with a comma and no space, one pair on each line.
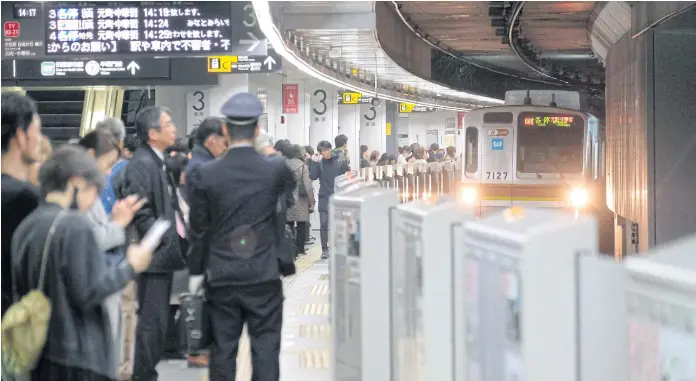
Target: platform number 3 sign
196,108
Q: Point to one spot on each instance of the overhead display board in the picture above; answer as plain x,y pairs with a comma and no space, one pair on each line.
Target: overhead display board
158,27
549,120
99,29
86,69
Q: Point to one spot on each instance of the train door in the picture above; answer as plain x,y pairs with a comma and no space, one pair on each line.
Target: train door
498,168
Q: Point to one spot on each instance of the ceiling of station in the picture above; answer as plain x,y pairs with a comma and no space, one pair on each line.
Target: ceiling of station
358,49
557,30
351,51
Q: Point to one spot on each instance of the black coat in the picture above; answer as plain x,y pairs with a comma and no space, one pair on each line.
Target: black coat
146,177
233,218
199,155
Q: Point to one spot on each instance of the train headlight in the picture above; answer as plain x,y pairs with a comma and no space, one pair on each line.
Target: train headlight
469,195
578,198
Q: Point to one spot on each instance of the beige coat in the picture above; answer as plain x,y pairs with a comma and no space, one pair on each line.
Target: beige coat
300,211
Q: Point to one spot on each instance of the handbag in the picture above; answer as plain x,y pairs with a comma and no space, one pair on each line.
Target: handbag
194,315
301,190
25,324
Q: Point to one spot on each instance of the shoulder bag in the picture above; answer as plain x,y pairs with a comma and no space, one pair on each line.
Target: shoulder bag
301,190
25,325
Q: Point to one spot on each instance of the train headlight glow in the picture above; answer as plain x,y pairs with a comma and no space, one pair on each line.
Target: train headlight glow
469,195
578,198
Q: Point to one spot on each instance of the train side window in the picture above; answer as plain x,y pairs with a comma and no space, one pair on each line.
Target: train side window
471,150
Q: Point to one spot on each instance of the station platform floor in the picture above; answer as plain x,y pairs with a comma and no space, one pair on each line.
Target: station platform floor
306,340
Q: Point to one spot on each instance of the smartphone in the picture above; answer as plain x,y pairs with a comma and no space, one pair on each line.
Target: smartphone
154,235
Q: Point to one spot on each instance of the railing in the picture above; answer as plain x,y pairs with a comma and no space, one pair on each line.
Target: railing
413,181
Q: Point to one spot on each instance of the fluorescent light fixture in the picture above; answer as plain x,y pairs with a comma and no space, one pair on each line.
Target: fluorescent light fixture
274,36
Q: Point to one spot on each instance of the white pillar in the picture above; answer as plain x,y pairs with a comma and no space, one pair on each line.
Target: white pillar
323,108
373,127
349,119
228,85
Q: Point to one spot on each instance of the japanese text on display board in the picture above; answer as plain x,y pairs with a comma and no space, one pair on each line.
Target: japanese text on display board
103,28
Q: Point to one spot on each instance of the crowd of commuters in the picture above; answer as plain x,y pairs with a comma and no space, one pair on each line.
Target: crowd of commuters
413,153
73,217
239,207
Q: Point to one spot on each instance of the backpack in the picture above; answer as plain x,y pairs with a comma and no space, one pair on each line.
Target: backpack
25,324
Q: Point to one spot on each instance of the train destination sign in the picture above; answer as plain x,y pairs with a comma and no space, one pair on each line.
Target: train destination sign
85,69
538,119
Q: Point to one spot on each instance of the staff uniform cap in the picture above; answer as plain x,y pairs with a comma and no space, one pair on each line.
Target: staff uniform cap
242,108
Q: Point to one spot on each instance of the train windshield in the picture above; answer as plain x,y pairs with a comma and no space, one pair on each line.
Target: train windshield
550,143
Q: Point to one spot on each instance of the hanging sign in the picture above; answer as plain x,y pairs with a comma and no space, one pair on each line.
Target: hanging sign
290,99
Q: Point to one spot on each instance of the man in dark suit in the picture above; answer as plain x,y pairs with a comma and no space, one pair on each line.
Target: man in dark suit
210,143
234,239
146,177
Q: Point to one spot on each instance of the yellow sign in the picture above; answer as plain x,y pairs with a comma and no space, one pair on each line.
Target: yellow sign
351,98
221,64
406,107
388,128
355,72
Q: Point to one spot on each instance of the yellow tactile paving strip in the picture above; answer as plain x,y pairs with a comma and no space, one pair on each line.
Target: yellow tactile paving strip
315,331
318,290
244,355
315,359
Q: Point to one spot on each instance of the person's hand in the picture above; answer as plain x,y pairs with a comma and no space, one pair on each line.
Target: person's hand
124,210
195,283
139,257
316,157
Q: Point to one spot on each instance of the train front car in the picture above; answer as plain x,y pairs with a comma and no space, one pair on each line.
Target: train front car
531,156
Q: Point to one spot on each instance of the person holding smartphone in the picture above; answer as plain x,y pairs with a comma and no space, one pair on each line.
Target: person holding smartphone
78,279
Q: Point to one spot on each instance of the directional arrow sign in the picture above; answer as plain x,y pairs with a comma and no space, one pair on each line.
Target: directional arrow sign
253,41
245,64
133,67
88,69
247,38
269,62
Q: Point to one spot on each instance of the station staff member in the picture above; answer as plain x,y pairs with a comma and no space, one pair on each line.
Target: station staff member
234,242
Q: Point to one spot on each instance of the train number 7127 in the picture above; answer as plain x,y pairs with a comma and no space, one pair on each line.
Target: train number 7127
496,175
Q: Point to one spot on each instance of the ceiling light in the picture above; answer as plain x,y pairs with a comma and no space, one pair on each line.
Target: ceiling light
267,26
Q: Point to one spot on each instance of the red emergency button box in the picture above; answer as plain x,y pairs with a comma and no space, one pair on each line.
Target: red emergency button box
11,29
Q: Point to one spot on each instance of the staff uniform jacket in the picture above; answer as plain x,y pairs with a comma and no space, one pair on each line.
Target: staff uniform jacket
300,211
77,282
146,177
233,219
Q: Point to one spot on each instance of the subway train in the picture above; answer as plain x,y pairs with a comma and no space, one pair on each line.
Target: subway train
535,155
527,152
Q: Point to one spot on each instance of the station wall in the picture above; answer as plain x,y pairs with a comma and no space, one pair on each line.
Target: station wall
421,126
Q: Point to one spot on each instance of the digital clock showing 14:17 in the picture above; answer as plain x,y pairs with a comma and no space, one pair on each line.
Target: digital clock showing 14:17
25,12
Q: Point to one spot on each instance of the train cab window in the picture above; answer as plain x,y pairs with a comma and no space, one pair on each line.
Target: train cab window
471,150
550,143
497,118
